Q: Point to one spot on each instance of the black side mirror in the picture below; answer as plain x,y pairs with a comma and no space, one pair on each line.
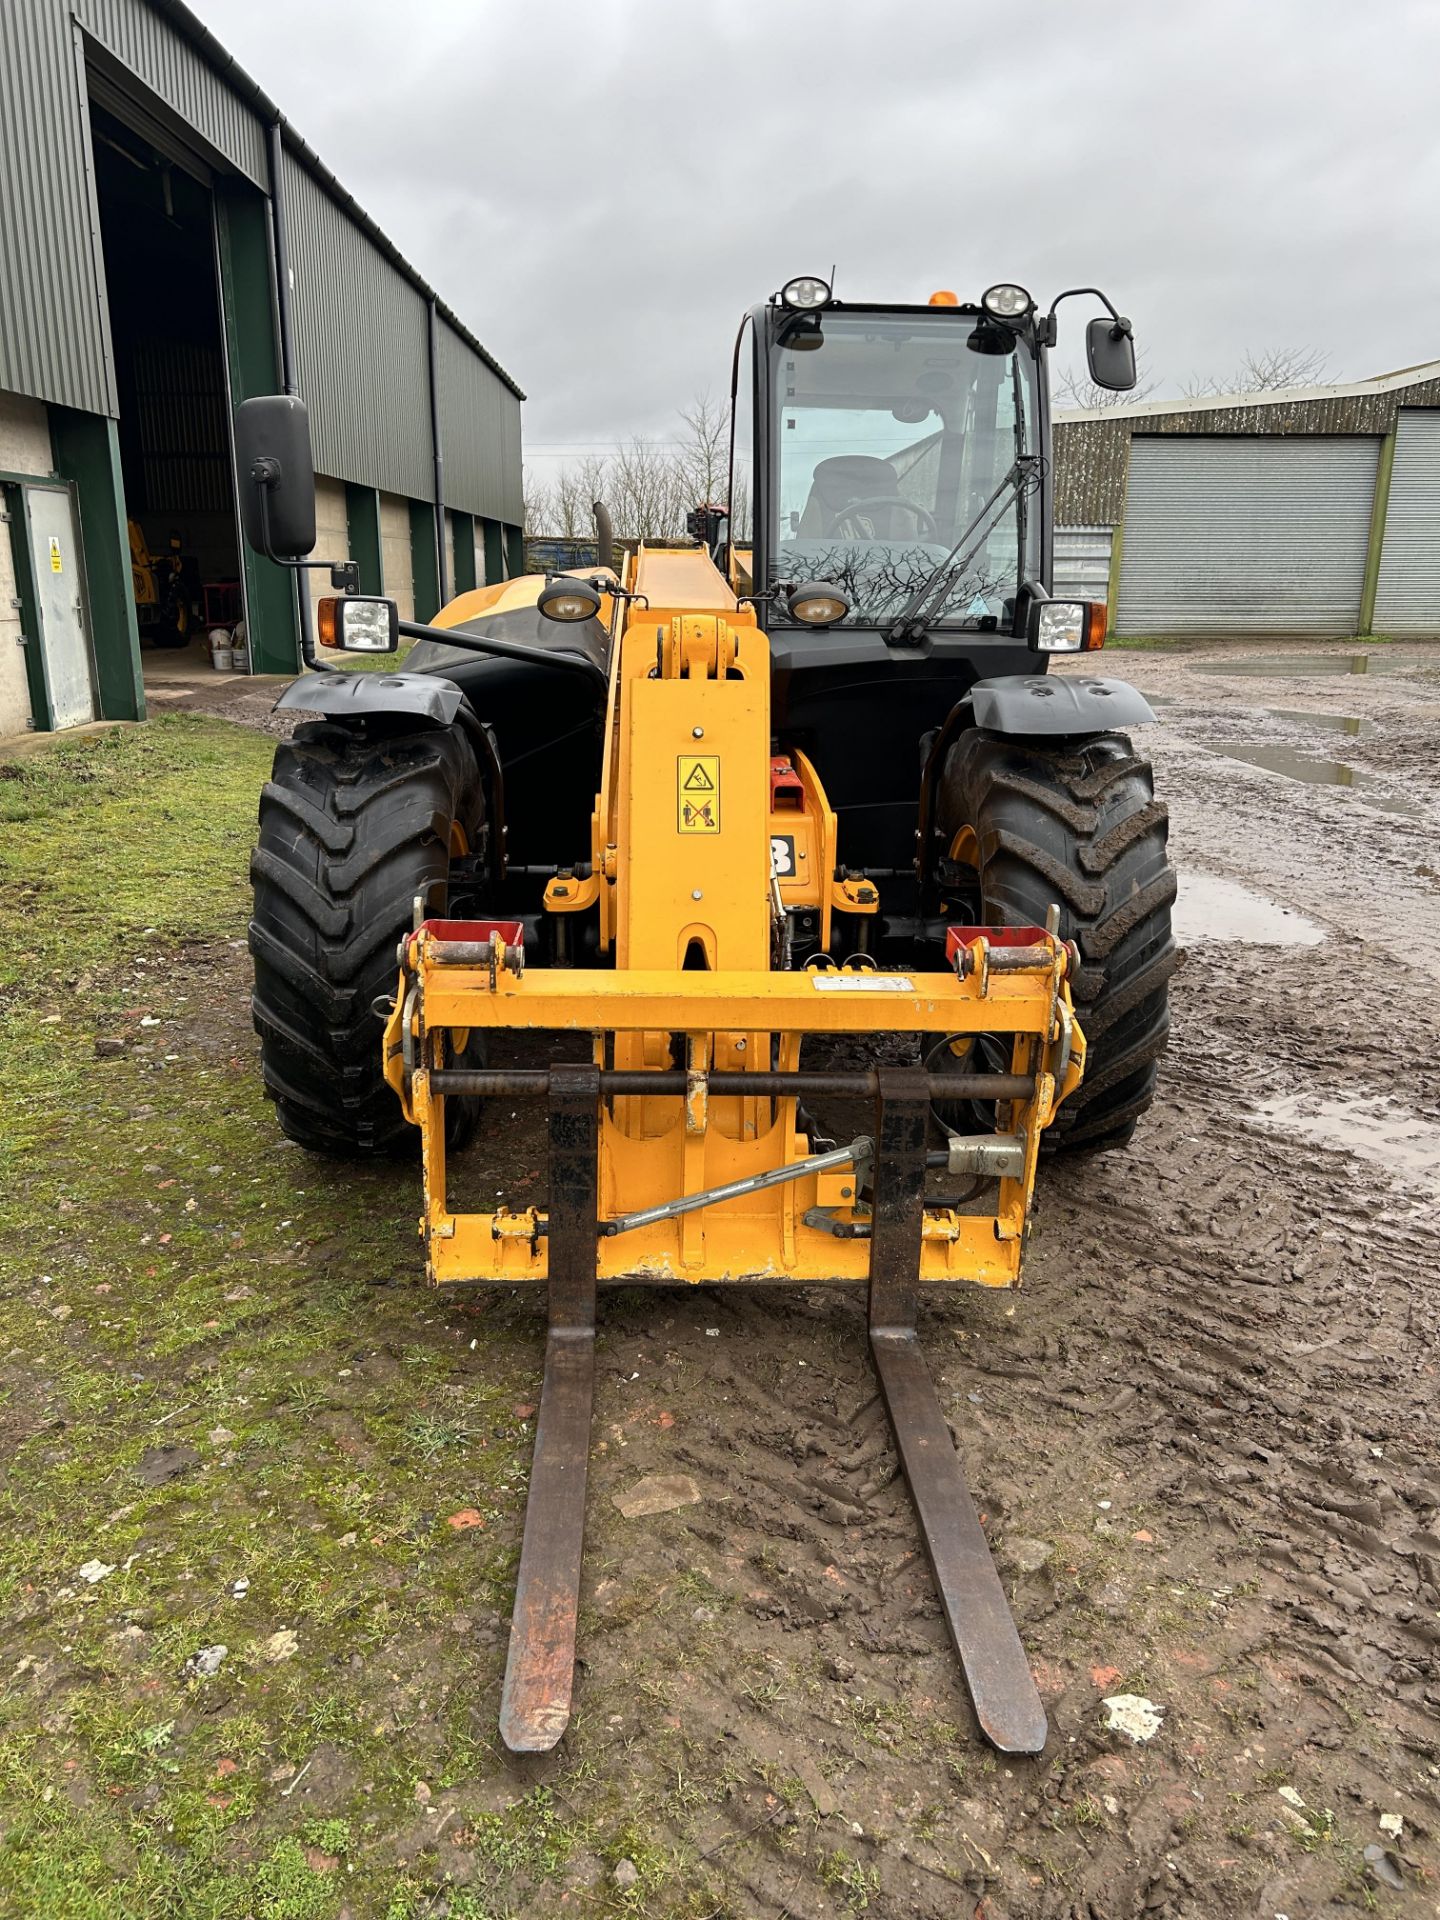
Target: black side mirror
276,474
800,332
1110,351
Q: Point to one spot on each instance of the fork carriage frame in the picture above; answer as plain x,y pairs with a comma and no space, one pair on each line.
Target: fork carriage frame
701,1129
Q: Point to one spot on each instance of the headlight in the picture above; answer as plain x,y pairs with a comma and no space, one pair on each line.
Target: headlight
359,625
1060,626
805,291
817,604
567,599
1006,302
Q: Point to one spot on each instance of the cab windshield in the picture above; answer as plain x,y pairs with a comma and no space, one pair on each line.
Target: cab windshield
890,436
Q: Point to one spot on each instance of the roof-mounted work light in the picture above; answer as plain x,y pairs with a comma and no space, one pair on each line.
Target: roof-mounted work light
805,292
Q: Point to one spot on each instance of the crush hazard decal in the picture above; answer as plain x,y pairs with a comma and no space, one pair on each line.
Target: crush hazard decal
698,792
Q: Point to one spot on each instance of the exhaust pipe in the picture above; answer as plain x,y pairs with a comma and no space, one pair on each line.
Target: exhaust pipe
604,535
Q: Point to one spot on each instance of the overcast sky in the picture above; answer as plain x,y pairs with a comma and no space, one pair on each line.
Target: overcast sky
601,187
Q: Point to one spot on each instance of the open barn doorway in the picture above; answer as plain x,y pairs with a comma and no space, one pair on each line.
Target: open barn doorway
158,235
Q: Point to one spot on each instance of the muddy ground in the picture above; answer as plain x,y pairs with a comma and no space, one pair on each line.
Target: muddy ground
1203,1438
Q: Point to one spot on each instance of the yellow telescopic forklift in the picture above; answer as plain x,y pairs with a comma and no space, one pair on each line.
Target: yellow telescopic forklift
706,812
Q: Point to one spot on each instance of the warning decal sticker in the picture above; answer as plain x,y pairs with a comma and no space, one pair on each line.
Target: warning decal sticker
57,565
698,792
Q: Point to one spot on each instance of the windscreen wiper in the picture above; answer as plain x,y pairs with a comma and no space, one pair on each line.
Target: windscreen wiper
924,604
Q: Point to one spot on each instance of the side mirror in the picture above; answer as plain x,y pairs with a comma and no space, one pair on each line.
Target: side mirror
1110,351
276,475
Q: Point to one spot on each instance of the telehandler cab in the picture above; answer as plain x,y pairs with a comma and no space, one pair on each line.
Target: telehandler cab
704,810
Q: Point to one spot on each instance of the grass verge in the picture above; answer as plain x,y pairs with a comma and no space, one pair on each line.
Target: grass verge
242,1646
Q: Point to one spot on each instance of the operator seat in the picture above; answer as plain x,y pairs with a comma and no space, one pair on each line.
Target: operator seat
839,482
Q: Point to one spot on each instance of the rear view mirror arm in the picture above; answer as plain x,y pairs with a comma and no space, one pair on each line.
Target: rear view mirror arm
507,650
344,575
1120,325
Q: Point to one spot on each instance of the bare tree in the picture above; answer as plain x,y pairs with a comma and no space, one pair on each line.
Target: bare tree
740,506
539,506
645,492
704,455
1265,372
576,489
1074,389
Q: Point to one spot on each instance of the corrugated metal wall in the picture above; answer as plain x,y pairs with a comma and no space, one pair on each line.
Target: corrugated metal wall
1245,536
53,335
361,348
150,48
479,433
1407,598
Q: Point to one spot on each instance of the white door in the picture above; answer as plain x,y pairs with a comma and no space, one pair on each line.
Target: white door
59,590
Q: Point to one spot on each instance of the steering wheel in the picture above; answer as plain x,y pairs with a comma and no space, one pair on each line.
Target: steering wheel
855,508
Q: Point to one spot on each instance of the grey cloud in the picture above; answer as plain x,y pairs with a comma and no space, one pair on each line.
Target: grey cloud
601,189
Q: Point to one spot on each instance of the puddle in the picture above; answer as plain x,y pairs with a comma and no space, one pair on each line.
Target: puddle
1209,908
1316,773
1374,1130
1283,665
1332,722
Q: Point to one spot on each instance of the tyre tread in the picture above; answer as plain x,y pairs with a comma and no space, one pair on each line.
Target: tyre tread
352,827
1079,824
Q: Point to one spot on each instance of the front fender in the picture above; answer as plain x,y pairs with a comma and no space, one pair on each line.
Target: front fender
352,696
1034,703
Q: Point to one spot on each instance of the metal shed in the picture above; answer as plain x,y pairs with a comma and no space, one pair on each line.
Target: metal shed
1309,512
148,188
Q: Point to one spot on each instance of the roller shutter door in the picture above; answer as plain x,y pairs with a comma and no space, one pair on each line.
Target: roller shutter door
1407,599
1246,535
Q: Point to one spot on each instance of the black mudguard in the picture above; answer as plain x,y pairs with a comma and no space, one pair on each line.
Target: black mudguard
1033,703
354,696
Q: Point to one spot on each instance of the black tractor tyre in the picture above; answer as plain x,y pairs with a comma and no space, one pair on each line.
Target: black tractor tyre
1075,822
352,827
